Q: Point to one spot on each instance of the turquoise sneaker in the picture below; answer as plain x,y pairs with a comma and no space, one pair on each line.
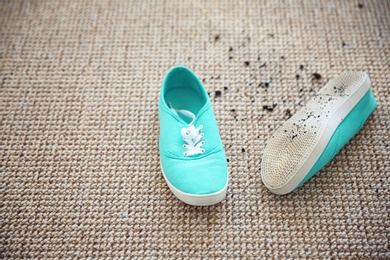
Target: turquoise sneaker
192,157
312,137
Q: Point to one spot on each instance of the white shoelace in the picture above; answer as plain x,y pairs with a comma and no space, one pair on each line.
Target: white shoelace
191,134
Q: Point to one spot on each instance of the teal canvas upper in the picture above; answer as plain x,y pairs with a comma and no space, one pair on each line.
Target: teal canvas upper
203,173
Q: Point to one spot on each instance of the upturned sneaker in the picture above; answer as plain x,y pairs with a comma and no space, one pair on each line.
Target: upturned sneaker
192,157
312,137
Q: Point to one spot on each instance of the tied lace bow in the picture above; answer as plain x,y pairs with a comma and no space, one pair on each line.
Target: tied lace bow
191,134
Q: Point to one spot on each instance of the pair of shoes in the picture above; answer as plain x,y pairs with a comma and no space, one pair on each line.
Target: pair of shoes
192,157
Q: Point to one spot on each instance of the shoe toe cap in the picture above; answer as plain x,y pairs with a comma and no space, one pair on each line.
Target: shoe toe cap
205,175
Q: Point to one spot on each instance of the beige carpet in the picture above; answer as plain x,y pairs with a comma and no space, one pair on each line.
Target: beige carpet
80,175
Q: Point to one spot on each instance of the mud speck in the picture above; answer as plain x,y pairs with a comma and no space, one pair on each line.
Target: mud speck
231,48
301,67
243,150
246,63
264,84
233,110
218,93
225,88
270,108
343,43
360,6
230,57
288,113
316,76
216,37
263,65
297,76
227,159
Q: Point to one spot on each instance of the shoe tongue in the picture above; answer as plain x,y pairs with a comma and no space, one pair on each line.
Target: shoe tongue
186,115
186,118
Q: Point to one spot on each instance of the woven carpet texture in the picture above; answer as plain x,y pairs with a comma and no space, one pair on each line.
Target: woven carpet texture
79,160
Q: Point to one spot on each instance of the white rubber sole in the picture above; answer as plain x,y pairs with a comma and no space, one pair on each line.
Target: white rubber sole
198,199
334,121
